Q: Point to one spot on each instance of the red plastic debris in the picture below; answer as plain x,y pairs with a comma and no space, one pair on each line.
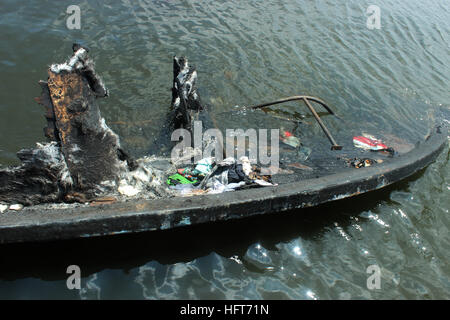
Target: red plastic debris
367,143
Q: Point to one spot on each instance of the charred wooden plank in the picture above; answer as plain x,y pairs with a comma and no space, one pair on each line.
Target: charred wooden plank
89,146
41,178
84,156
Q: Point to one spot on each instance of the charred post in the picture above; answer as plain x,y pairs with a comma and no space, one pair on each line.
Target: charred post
89,147
186,104
84,156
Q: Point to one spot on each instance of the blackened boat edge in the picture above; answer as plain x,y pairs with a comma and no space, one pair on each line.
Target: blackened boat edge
148,215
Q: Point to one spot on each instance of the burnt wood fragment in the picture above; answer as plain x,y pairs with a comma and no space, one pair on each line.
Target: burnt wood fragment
45,100
186,106
41,178
84,156
186,103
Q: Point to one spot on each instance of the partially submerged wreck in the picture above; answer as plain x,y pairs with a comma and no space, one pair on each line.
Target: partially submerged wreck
82,183
84,160
84,155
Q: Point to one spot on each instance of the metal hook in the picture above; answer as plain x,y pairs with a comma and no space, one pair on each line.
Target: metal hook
334,145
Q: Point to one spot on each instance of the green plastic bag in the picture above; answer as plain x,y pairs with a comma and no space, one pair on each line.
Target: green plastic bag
179,179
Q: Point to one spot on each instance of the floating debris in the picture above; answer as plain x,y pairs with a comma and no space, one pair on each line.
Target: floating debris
217,177
217,101
359,163
228,74
204,166
289,139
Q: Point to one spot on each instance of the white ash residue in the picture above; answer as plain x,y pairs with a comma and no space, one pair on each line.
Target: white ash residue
16,207
49,155
76,61
148,180
81,62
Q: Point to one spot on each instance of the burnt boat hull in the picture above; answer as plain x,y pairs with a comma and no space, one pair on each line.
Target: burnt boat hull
37,224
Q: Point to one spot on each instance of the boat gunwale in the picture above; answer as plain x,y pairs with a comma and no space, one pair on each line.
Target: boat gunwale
159,214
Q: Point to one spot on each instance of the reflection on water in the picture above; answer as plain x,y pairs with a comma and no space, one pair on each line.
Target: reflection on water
392,80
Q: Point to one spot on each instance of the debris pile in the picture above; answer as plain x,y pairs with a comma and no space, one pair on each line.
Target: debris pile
293,142
368,142
209,176
362,162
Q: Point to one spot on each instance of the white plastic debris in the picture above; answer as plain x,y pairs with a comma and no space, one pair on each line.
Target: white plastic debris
264,183
204,166
16,207
246,166
127,190
3,207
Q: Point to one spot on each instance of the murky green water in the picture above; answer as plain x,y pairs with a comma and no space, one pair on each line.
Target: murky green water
246,52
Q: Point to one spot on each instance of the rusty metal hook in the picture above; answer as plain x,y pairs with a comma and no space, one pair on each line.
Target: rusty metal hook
305,99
